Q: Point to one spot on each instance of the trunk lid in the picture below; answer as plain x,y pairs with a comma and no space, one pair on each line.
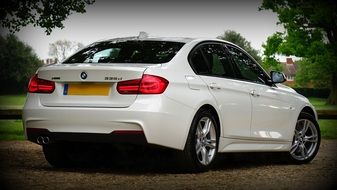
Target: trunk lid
89,85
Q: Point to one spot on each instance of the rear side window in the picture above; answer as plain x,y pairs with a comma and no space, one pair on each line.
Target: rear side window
211,59
199,63
131,51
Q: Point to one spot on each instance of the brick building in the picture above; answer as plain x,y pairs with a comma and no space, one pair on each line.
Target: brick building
289,68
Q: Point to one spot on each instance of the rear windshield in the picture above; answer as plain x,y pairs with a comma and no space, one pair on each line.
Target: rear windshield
133,51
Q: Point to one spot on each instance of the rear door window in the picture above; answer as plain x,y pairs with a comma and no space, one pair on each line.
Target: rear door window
211,59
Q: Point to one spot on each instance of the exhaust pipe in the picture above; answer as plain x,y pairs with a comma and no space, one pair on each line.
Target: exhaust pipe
45,140
39,140
42,140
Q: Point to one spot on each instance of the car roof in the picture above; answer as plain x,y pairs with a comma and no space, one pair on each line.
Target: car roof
170,39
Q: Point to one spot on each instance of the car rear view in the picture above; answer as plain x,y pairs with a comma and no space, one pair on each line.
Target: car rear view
91,96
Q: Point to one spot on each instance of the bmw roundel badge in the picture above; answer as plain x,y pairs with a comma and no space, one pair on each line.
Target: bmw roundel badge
84,75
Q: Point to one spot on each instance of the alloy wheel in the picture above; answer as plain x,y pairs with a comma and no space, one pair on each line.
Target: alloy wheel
305,140
206,141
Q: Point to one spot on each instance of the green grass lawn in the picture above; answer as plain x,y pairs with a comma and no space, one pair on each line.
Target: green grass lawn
11,130
320,104
328,128
10,101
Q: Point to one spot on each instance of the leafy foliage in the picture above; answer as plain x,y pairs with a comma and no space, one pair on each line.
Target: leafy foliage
272,46
48,14
238,39
311,33
18,63
307,75
61,49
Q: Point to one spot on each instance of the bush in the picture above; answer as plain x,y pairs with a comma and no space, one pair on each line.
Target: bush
314,92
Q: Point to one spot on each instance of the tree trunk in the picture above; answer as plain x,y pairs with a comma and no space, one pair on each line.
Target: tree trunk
332,99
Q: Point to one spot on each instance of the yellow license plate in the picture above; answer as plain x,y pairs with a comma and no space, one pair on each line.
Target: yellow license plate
87,89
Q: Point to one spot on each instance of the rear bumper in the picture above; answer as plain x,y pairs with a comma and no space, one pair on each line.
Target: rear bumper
136,137
159,118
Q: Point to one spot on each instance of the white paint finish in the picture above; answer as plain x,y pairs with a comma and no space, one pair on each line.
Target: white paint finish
234,103
74,125
271,112
252,145
194,82
96,73
248,123
166,128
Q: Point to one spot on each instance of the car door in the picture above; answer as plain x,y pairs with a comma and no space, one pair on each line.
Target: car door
211,63
270,108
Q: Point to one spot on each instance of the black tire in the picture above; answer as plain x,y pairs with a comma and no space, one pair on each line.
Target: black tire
305,145
57,155
192,161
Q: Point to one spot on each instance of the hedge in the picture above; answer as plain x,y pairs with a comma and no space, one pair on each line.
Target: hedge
314,92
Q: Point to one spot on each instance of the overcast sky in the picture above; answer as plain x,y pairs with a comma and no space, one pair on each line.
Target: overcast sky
171,18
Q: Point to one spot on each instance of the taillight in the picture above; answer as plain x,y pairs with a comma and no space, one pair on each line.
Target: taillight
152,85
37,85
128,87
148,84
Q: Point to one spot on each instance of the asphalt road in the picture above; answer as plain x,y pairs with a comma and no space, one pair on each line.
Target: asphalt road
23,166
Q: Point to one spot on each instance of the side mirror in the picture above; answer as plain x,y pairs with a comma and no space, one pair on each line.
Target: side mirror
277,77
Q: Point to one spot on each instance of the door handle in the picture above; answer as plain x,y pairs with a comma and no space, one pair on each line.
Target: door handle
253,93
214,86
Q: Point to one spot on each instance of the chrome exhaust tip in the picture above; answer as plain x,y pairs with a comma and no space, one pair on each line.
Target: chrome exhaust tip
42,140
45,140
39,140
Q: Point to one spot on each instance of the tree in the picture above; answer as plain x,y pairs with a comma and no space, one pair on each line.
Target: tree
18,63
270,49
236,38
61,49
307,76
48,14
311,33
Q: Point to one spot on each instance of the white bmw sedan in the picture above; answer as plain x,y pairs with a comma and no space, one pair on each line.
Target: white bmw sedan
200,96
